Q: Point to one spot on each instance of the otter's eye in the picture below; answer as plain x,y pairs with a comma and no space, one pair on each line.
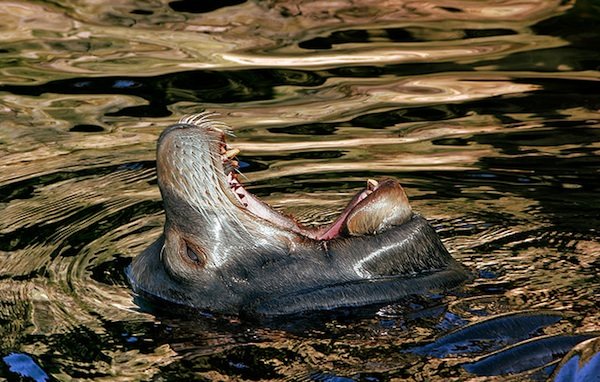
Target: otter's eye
192,255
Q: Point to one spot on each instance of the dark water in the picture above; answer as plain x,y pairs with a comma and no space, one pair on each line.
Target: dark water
488,112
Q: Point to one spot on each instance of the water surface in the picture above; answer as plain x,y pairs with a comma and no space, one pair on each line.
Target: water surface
487,112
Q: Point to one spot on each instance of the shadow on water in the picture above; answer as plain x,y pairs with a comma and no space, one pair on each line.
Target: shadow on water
487,113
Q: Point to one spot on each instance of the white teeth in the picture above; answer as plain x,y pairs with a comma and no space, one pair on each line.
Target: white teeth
372,184
231,153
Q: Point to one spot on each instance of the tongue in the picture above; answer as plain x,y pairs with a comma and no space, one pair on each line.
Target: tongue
334,229
375,209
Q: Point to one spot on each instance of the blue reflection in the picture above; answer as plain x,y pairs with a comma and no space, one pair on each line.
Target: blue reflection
573,371
243,164
123,84
327,377
489,334
82,84
25,366
487,274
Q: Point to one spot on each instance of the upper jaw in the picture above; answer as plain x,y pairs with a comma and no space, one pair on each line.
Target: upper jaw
386,198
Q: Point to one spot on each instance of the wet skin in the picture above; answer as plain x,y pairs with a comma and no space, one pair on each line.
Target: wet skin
223,250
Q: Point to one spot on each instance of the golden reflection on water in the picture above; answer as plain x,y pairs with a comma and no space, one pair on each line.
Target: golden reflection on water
99,38
456,99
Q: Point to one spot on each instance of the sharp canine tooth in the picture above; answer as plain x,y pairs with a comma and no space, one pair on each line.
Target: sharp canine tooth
371,184
231,153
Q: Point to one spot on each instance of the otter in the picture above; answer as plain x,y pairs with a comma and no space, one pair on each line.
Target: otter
225,251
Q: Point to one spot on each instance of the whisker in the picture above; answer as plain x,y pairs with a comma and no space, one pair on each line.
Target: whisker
205,119
242,174
202,180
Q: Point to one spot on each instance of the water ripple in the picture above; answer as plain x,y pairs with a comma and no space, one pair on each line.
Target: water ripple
488,114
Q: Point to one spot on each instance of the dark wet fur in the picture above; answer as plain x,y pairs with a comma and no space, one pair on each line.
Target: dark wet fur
414,262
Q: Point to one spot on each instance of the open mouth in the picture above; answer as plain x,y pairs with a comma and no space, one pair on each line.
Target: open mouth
224,249
251,204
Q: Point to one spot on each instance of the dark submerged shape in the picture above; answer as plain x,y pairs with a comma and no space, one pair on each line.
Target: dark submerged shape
224,250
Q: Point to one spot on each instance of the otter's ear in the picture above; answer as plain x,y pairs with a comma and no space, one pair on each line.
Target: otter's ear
385,207
181,255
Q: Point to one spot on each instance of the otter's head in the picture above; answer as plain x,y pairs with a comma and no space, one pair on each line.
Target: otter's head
195,170
212,223
223,249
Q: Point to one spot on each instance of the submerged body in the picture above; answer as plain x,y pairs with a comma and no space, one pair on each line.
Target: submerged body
224,250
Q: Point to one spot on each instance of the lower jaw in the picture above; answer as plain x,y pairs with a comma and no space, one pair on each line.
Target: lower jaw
369,292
